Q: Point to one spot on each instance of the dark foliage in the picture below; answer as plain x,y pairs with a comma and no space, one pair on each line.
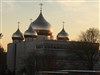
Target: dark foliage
90,35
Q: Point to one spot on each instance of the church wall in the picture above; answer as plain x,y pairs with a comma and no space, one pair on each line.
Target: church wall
10,56
23,52
66,55
20,56
51,54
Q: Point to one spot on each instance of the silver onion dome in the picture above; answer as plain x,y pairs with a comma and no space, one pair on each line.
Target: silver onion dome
62,35
30,33
17,35
41,25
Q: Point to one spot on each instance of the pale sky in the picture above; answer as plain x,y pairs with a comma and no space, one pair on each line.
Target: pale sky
78,16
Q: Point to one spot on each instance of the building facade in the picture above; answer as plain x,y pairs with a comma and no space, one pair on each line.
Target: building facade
37,50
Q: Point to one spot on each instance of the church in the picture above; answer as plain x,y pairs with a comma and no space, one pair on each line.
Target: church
36,50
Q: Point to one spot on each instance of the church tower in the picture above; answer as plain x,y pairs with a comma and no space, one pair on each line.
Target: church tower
62,35
30,34
41,26
17,36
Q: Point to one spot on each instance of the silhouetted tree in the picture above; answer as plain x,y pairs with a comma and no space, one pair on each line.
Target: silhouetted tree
87,53
2,54
90,35
1,35
2,58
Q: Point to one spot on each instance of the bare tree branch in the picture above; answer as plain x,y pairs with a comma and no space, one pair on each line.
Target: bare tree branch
90,35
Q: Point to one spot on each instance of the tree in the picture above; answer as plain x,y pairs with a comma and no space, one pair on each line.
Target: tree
2,58
87,52
1,35
90,35
2,54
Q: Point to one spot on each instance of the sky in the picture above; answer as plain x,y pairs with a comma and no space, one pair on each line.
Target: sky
78,16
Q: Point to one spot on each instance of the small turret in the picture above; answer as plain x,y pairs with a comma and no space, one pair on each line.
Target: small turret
17,36
62,35
30,34
41,26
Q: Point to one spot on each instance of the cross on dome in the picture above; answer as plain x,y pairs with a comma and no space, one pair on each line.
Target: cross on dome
63,23
18,24
31,20
41,7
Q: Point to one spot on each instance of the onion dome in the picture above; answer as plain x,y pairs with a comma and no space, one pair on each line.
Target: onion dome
41,25
30,33
17,35
63,35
